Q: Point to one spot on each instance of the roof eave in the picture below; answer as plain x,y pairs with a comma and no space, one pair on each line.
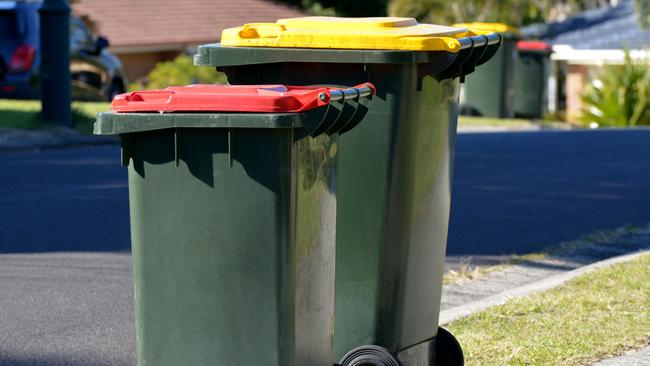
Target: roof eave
595,57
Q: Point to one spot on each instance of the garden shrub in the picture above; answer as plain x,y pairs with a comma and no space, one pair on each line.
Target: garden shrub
620,95
180,71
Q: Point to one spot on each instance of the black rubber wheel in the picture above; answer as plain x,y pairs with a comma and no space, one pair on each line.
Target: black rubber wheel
448,350
369,356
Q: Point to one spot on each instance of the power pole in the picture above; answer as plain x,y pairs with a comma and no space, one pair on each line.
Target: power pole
55,63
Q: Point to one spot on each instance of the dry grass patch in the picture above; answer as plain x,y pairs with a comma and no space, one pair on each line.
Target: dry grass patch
467,271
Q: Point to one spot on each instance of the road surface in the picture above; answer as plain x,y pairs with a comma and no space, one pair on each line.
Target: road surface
65,274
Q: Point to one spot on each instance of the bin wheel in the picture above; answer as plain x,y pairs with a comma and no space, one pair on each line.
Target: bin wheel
448,350
369,356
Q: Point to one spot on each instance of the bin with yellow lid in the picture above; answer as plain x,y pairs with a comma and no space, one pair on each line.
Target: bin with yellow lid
490,92
346,33
395,169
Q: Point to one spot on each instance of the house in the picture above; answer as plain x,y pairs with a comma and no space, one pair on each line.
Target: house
582,44
144,32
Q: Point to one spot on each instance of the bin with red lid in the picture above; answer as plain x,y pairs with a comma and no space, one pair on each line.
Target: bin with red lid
233,215
531,74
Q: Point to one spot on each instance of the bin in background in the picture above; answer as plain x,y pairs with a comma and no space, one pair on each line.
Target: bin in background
395,169
233,217
531,78
490,91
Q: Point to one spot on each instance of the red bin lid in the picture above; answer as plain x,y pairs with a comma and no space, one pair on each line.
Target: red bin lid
224,98
534,46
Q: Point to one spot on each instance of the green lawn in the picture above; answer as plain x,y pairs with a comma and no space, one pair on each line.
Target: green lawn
594,316
26,114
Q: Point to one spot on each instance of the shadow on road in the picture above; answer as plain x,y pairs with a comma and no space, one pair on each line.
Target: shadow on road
64,200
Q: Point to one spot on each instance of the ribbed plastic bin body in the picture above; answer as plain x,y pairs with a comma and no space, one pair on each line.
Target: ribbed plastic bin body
233,222
394,181
394,190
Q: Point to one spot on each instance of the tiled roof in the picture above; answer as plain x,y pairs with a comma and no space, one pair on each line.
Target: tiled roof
156,22
614,33
603,28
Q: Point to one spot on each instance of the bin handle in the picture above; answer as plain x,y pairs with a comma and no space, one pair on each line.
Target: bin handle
474,51
348,94
346,108
251,30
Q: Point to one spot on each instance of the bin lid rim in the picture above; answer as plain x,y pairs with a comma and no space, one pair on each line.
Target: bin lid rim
223,98
373,33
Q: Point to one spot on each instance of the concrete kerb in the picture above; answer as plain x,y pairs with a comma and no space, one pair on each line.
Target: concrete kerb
639,357
459,312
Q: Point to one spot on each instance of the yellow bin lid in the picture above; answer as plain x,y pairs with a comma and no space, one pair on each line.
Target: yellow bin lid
388,33
481,28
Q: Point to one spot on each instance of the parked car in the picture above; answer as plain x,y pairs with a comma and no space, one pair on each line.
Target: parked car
96,73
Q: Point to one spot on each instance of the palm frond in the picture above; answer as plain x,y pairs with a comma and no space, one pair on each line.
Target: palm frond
620,95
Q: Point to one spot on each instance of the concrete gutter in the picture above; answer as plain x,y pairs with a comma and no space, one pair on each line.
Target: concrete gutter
514,127
639,357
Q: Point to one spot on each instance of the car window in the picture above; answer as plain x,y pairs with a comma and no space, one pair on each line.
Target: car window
80,36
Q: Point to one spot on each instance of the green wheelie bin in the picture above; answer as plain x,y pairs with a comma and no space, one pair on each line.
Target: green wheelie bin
395,169
531,75
232,195
490,91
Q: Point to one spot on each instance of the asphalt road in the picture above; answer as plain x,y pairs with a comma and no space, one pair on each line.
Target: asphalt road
65,270
516,193
66,295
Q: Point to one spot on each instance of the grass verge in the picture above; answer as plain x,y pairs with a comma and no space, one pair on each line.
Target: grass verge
26,114
594,316
514,124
